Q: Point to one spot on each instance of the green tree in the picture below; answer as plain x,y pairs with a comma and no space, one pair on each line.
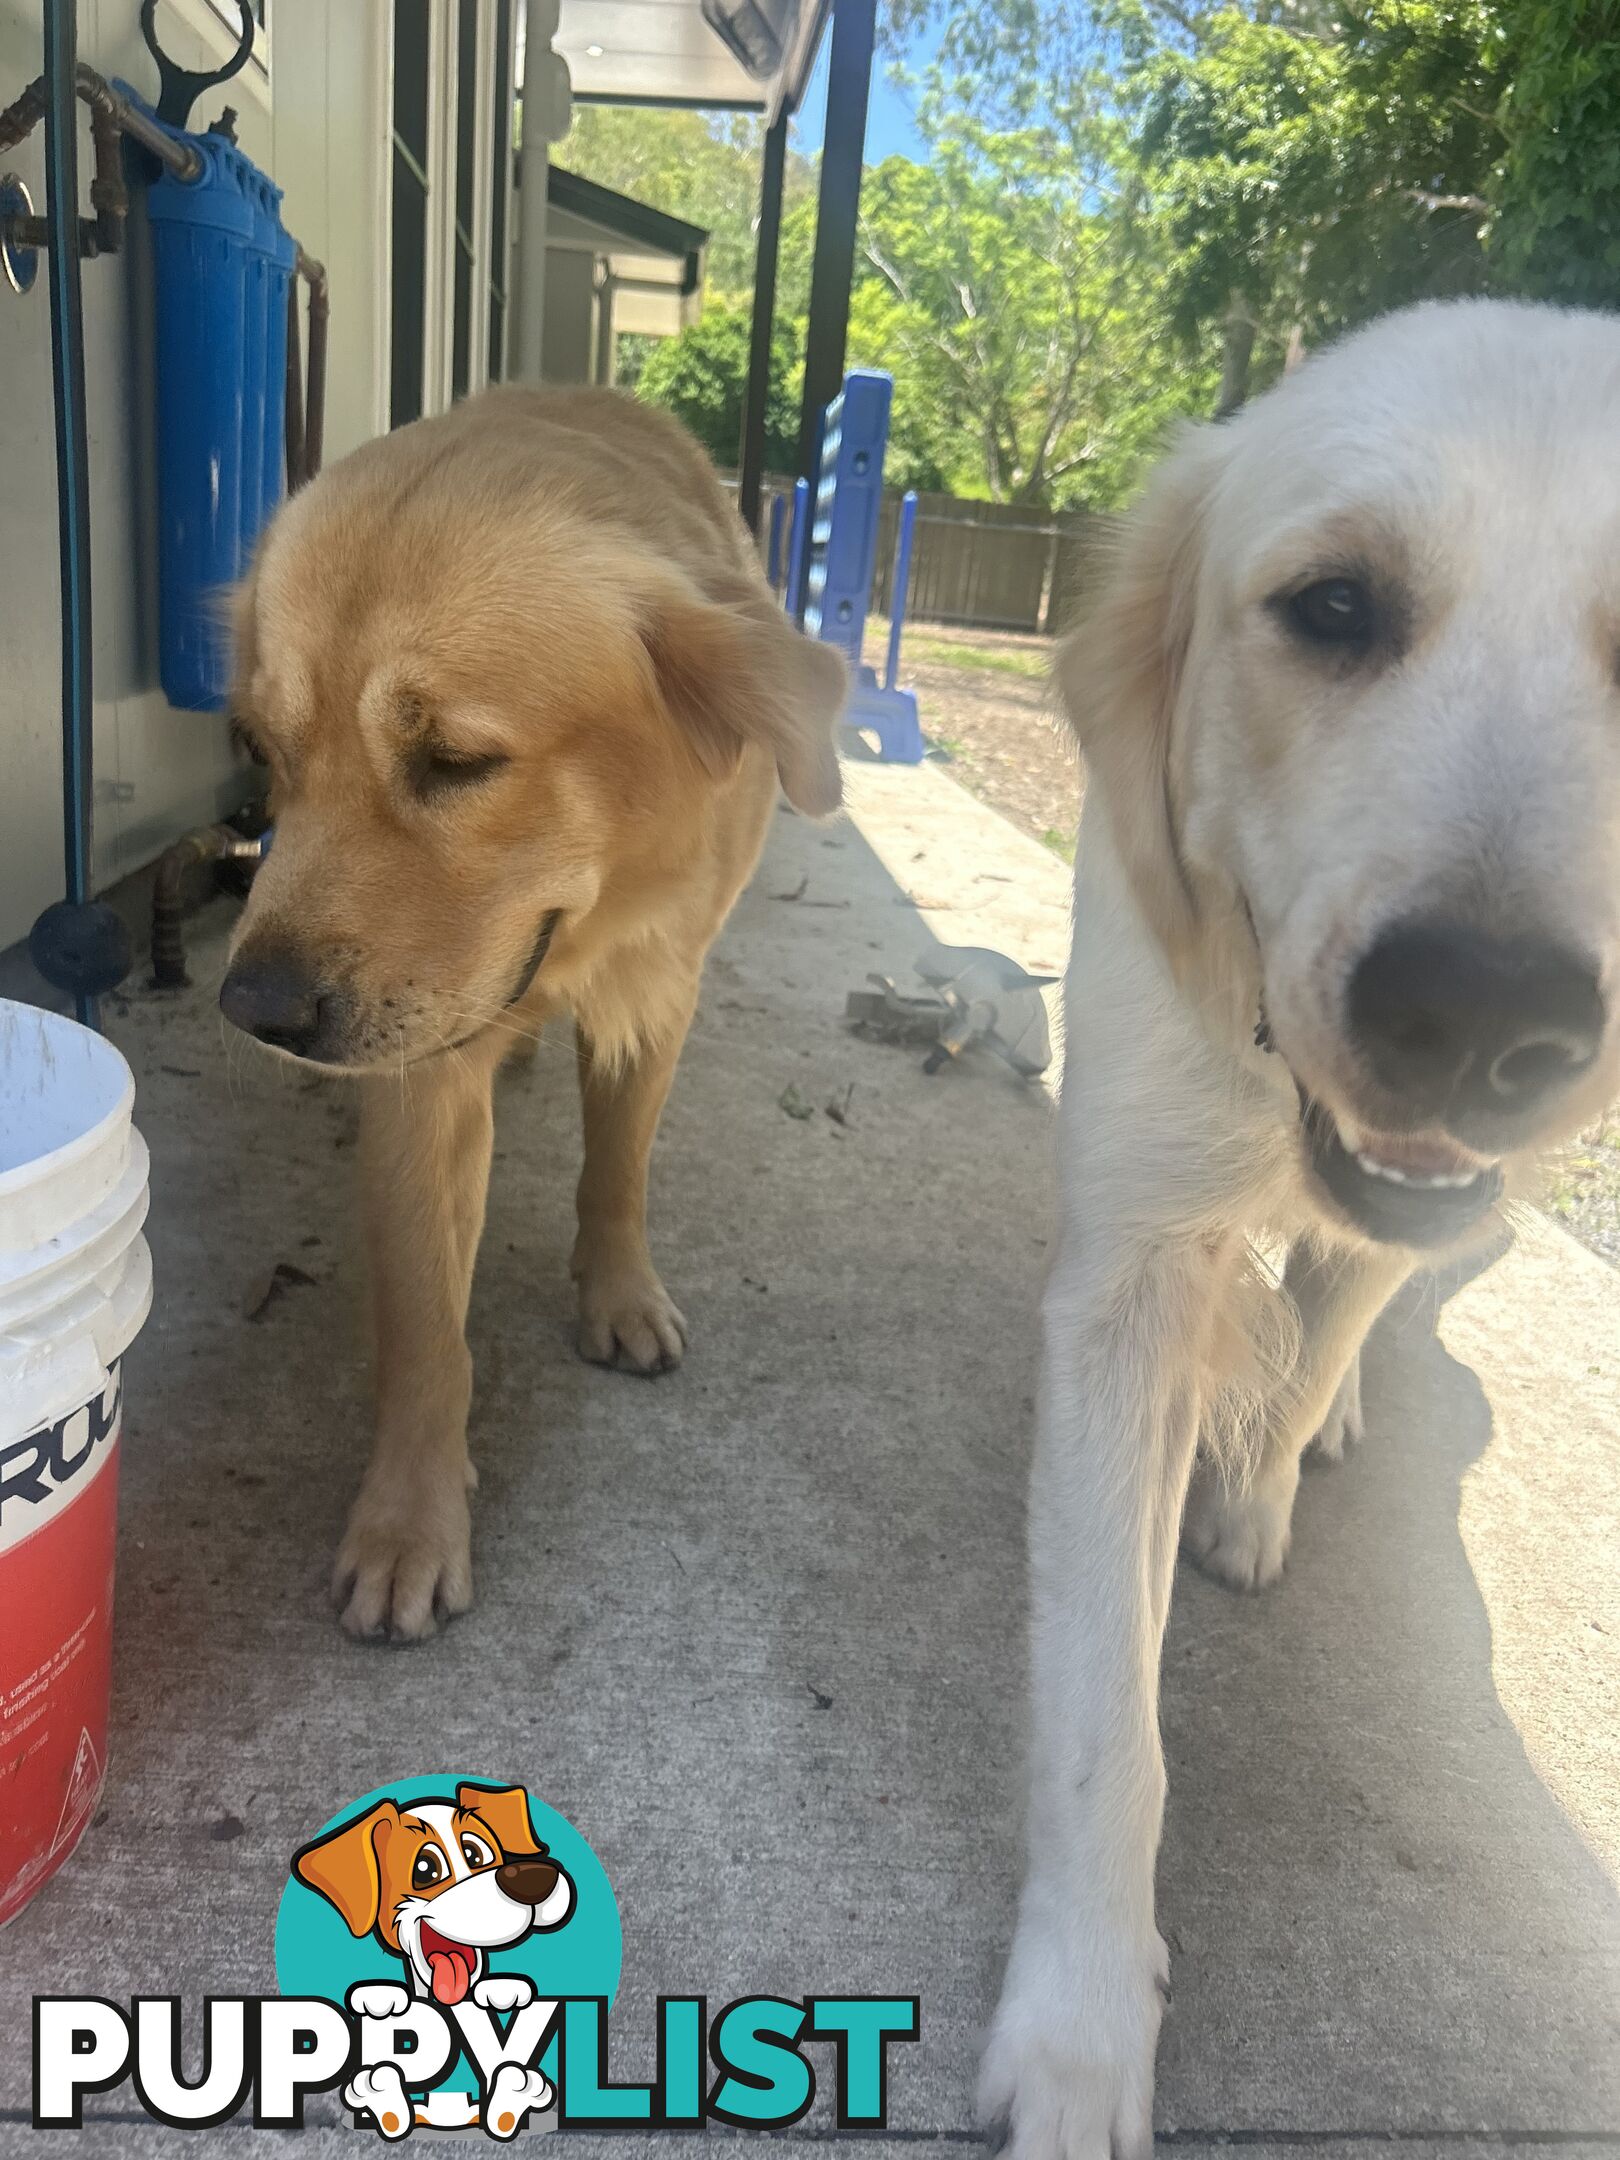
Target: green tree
1557,229
701,167
1316,172
700,377
1011,282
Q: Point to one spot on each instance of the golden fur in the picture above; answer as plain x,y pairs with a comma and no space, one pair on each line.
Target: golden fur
511,664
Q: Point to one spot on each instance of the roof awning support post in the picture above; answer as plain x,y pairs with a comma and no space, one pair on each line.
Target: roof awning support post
849,79
757,392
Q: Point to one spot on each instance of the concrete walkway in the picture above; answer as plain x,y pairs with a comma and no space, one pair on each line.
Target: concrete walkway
757,1628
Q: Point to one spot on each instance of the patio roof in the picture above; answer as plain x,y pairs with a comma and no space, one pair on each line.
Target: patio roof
668,52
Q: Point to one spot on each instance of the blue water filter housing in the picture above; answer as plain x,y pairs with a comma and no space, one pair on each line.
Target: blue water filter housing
222,267
269,275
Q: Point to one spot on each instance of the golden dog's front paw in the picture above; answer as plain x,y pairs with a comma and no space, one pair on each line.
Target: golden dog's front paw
627,1319
404,1565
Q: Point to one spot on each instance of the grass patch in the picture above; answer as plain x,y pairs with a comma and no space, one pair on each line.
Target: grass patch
973,659
1060,843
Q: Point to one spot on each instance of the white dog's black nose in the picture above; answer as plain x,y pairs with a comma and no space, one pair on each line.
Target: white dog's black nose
1459,1024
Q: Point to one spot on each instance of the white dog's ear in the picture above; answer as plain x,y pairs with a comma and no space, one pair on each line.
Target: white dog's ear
732,668
1120,674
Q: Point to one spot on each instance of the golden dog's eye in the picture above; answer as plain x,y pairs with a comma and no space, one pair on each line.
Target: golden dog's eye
475,1852
429,1868
244,739
1333,611
436,770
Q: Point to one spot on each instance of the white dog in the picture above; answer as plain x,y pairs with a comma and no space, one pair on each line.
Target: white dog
1347,951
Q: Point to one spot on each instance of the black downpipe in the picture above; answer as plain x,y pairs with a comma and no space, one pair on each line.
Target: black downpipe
72,442
77,945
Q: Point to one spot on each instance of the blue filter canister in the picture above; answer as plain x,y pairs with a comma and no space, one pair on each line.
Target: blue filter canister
202,248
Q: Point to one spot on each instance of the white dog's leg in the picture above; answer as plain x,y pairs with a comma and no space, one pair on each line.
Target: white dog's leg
1070,2060
1238,1525
1343,1426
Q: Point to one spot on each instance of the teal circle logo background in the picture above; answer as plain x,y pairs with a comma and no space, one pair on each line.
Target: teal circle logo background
316,1954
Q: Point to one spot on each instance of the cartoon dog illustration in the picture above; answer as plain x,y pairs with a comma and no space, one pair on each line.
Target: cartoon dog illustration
441,1883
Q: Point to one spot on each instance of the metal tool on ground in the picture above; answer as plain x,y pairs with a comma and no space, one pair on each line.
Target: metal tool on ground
975,996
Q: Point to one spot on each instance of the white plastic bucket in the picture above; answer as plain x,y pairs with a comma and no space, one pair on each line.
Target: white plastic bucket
75,1286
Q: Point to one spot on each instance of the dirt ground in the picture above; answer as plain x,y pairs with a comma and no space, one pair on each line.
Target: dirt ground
989,714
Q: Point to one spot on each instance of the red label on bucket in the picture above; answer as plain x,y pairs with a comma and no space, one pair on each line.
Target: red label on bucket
58,1532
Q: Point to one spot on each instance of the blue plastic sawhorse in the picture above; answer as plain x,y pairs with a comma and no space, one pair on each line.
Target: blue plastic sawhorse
841,558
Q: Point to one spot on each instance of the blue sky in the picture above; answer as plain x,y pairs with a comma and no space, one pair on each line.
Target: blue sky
890,122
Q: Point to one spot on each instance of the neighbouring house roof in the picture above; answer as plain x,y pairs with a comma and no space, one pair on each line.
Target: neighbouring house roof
654,260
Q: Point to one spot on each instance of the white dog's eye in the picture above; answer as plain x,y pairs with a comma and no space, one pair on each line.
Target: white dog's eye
429,1868
475,1852
1333,611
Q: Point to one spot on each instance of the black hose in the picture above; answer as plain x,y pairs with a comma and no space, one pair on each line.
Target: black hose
72,454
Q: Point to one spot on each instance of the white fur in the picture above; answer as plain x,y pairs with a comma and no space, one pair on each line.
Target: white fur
1472,451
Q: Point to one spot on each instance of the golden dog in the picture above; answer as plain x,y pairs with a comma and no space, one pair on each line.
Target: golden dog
525,699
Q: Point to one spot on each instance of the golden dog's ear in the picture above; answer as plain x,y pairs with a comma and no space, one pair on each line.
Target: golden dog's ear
735,670
344,1867
506,1810
1120,675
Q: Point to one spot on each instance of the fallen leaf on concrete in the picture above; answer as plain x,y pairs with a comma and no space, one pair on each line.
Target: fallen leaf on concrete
837,1106
795,1104
285,1275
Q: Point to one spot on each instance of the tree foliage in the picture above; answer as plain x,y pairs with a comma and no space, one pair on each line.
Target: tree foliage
700,377
1129,208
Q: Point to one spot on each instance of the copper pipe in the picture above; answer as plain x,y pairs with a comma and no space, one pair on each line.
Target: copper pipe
294,396
314,275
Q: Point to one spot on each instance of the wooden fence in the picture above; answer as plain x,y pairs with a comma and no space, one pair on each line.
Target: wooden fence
981,565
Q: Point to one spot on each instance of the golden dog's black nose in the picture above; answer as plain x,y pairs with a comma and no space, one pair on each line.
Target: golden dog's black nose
1461,1025
529,1882
275,997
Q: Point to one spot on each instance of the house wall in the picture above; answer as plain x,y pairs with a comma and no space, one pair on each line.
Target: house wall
568,341
320,127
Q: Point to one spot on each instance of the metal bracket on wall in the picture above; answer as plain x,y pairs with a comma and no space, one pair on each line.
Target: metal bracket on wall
20,261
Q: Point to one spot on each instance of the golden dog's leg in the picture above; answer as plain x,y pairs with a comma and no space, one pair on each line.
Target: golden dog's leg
625,1314
1237,1526
425,1144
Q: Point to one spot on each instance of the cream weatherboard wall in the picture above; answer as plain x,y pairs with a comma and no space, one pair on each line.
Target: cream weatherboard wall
315,112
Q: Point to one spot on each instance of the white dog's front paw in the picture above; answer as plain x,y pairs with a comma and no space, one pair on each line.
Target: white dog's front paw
1068,2072
513,2094
504,1991
1342,1427
1240,1533
380,2093
378,1999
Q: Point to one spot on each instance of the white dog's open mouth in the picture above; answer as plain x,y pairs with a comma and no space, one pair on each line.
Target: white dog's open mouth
1400,1188
452,1966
